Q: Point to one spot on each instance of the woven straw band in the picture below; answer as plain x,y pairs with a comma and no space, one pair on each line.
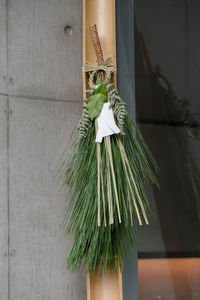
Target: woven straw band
106,67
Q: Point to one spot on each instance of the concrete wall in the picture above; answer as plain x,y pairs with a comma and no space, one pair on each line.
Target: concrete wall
40,94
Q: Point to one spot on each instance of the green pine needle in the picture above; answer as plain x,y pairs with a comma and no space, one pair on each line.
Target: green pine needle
101,248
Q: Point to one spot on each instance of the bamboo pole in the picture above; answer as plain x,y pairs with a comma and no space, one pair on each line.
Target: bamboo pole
107,286
101,13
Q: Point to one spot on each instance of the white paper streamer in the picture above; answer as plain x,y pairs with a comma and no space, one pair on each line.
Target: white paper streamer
106,123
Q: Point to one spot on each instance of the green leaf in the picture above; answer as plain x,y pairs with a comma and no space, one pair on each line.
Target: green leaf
101,89
95,104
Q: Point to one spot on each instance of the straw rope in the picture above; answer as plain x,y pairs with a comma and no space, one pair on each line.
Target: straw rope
96,43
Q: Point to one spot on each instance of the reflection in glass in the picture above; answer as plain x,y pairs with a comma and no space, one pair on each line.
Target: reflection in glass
167,58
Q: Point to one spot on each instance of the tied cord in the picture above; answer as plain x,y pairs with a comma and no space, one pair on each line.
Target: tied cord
106,67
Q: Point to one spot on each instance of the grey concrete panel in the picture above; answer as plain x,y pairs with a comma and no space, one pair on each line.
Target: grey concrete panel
43,60
39,132
3,201
3,48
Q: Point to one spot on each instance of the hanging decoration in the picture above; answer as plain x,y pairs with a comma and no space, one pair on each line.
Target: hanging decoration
107,175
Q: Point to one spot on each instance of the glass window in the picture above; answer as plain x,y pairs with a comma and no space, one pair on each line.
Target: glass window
167,68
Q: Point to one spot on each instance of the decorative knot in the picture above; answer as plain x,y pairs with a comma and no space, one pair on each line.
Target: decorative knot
106,67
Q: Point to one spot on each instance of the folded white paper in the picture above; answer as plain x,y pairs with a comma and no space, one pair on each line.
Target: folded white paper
106,123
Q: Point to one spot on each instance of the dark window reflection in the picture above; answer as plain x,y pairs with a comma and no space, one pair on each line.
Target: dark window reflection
167,56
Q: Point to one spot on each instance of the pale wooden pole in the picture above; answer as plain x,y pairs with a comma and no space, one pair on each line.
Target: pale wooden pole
102,13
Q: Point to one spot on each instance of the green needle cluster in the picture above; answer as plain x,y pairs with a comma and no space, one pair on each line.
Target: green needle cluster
102,247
